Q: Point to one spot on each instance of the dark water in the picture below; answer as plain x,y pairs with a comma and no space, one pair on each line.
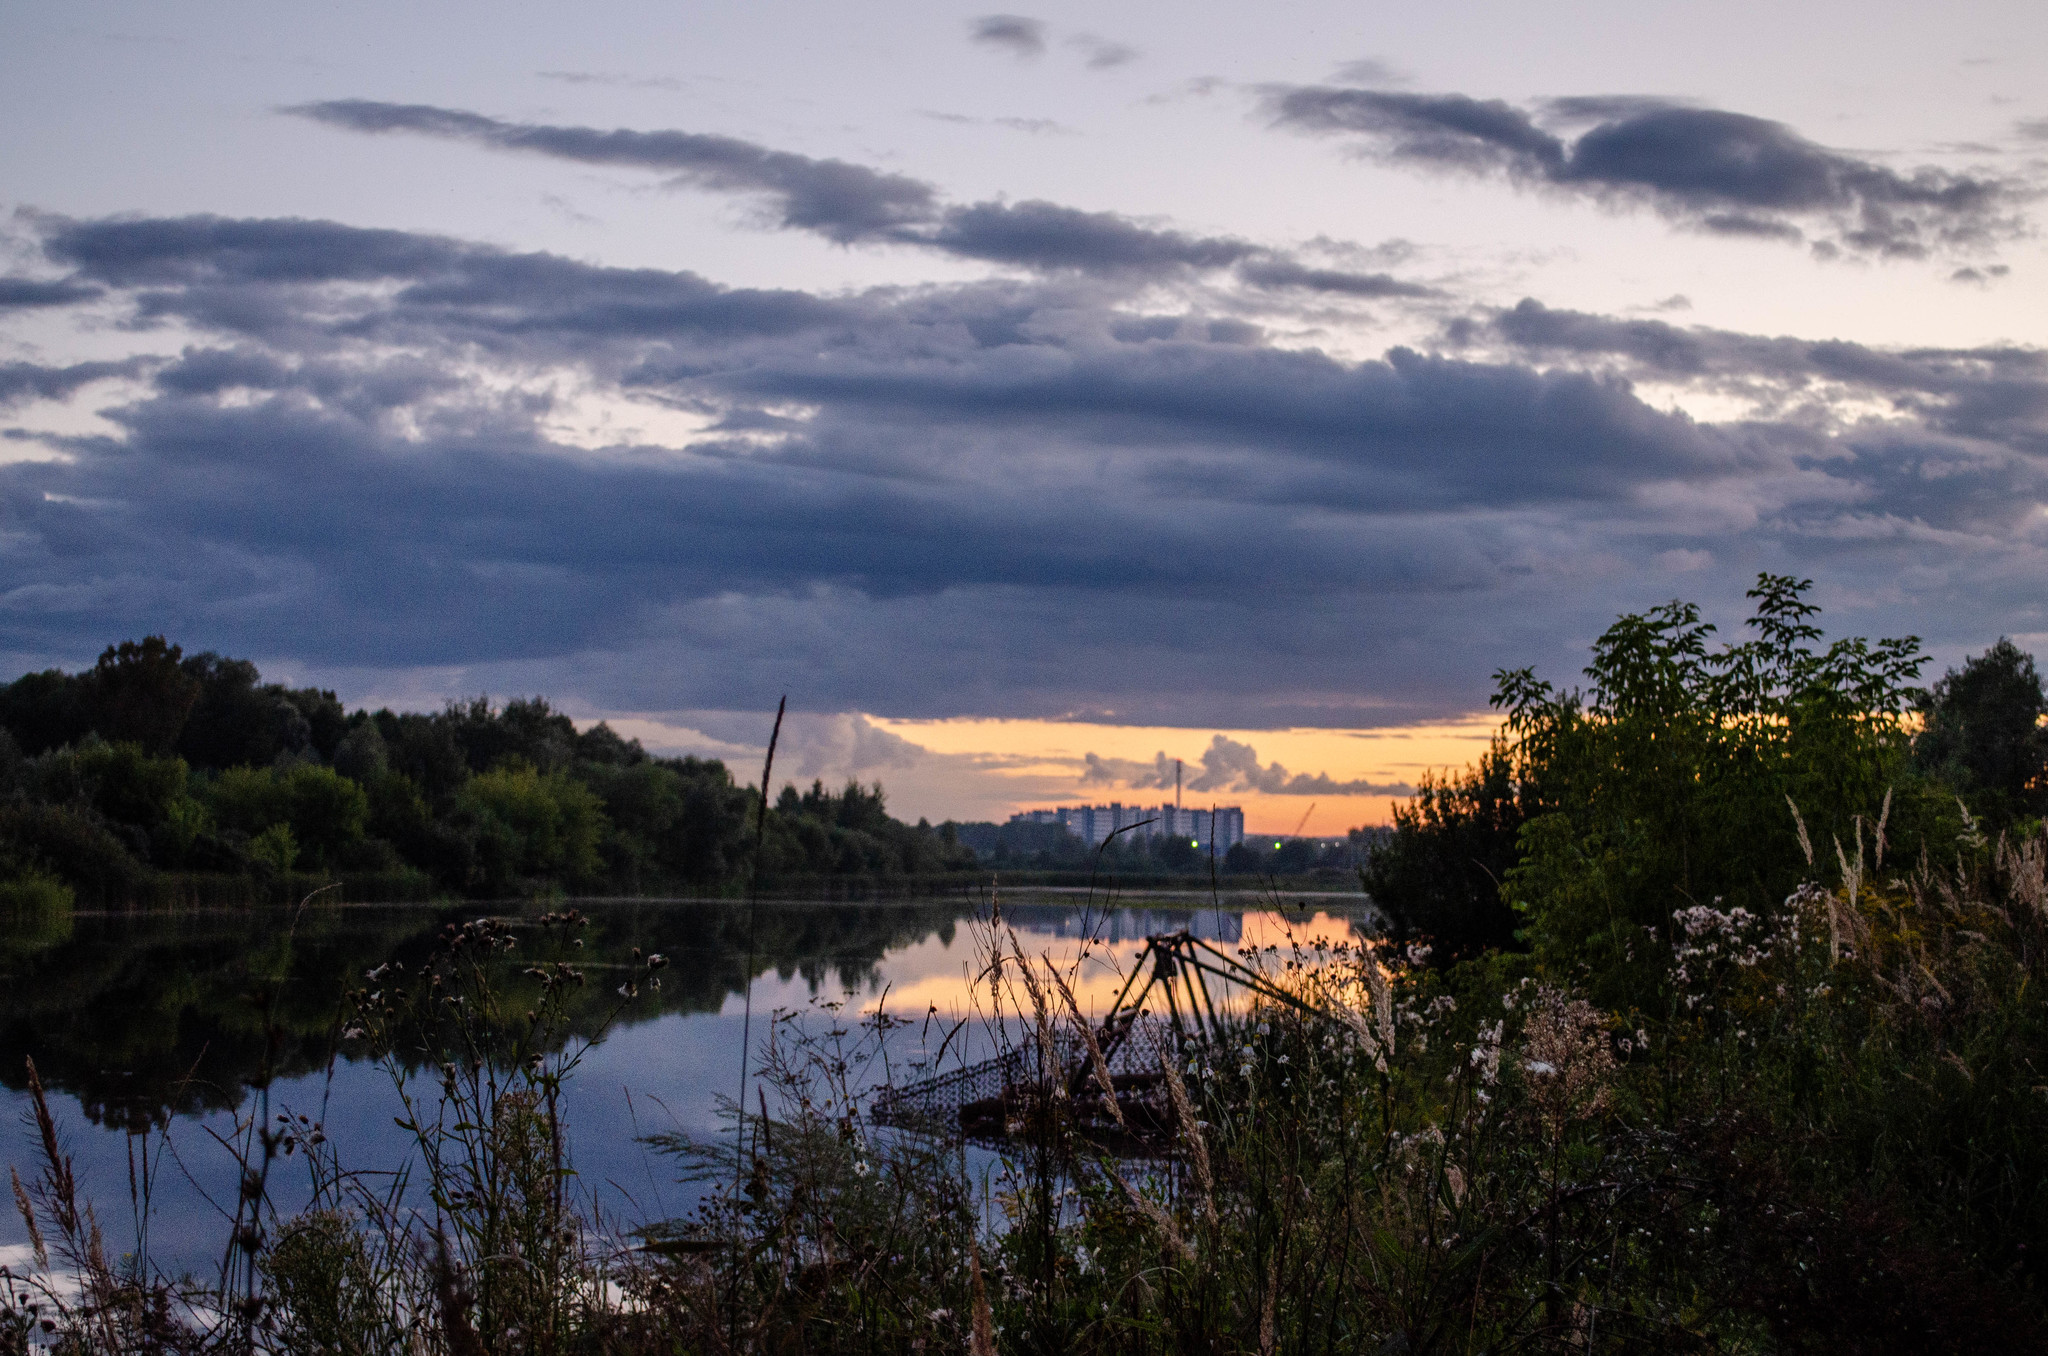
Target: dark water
138,1023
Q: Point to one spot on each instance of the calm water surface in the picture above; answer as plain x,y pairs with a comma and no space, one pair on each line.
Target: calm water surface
141,1022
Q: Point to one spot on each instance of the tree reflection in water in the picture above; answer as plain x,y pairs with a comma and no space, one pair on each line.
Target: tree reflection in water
146,1016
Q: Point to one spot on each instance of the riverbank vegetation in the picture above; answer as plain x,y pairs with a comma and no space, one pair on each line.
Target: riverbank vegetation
1737,1040
161,777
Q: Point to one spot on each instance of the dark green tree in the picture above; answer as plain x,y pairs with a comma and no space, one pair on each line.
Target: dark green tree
241,721
1983,734
141,694
1437,879
46,710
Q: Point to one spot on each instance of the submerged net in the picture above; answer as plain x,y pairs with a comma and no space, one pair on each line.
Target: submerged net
950,1101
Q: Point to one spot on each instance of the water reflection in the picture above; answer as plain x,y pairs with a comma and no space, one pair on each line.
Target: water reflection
146,1020
1096,951
145,1016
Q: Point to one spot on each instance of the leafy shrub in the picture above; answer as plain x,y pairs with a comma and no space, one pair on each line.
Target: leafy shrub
69,844
531,824
324,812
275,847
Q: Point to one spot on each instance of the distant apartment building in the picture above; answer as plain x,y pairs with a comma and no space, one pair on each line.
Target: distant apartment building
1093,824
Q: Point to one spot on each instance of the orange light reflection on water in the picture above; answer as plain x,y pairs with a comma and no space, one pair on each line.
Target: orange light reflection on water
936,974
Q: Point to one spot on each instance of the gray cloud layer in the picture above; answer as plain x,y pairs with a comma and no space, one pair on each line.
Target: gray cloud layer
1021,497
841,201
1722,172
850,204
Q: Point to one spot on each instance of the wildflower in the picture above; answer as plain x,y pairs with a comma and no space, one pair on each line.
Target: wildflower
1567,1038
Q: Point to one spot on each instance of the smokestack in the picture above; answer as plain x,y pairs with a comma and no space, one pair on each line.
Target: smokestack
1176,783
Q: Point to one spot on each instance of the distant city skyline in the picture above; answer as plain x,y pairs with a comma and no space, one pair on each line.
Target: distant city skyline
1221,826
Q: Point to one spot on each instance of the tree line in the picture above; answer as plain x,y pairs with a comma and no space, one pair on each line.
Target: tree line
158,771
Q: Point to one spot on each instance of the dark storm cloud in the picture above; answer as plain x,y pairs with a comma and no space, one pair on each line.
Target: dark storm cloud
1013,33
31,381
1408,432
1966,409
1046,235
1721,172
482,542
851,204
283,280
1661,349
841,201
24,293
1015,497
208,249
1278,272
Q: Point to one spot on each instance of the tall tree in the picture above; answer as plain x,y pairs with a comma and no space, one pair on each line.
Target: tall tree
141,693
1437,878
1983,734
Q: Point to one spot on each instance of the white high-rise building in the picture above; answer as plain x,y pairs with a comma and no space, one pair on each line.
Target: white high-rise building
1093,824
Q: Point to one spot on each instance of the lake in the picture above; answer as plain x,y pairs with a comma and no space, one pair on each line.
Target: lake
144,1023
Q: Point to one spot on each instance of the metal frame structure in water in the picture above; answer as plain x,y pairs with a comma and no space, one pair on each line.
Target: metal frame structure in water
1003,1096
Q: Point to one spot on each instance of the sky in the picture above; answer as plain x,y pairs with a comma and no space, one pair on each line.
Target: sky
1034,397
